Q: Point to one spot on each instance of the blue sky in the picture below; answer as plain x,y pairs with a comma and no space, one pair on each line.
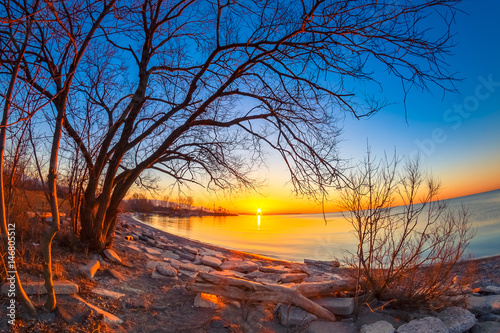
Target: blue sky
457,134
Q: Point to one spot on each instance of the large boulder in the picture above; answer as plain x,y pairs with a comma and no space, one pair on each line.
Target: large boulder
331,327
378,327
481,305
424,325
458,320
486,327
343,306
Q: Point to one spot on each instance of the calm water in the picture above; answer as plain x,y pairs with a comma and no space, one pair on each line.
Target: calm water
295,237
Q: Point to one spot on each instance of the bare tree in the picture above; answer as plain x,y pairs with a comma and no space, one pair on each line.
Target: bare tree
12,53
196,89
61,33
407,252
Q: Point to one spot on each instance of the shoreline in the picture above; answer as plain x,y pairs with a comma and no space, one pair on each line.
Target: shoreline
478,260
130,219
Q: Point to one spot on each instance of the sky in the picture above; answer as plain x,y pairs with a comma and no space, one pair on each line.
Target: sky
456,134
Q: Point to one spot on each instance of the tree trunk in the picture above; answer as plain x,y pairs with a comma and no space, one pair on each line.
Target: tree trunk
51,302
3,224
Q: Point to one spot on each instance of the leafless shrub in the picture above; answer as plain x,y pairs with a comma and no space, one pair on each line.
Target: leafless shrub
408,253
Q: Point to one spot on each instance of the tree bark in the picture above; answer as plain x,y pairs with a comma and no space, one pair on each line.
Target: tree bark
243,290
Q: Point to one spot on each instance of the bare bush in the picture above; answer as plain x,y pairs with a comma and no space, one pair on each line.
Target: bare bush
406,253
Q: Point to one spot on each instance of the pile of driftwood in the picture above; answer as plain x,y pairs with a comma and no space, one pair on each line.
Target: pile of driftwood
243,290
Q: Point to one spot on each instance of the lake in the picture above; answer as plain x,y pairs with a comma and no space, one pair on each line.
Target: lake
296,237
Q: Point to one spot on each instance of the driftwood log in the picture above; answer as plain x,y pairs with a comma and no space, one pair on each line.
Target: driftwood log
244,290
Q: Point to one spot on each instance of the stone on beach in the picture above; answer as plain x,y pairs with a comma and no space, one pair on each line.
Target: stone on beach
211,261
337,305
107,293
275,269
380,326
331,263
480,305
91,268
427,324
170,255
329,327
295,278
111,255
166,270
206,301
133,247
152,251
190,249
240,266
62,287
458,320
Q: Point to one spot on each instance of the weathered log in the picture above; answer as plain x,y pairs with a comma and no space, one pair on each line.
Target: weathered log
243,290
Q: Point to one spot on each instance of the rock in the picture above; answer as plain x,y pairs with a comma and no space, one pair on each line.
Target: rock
166,270
190,249
211,261
62,287
170,255
152,251
189,274
331,264
490,290
486,327
213,253
339,306
480,305
323,277
264,277
152,264
156,275
427,324
206,301
205,269
290,315
295,278
133,247
173,262
275,269
108,318
111,255
107,293
197,260
188,267
378,327
184,255
331,327
228,273
489,317
240,266
458,320
91,268
114,273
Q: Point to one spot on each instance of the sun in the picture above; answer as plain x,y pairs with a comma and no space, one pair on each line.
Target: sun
259,211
